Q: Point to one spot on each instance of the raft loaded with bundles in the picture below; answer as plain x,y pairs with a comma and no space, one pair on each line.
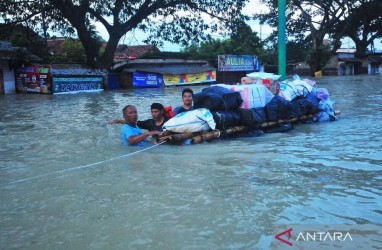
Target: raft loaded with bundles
223,111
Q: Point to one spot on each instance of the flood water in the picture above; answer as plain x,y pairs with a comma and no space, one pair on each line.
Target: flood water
66,181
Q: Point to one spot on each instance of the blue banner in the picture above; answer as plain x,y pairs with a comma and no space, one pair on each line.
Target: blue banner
236,63
69,84
147,80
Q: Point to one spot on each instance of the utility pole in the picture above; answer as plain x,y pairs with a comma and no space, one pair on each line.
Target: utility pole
281,39
261,26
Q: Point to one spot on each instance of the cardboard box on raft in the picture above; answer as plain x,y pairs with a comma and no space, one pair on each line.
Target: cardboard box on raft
272,85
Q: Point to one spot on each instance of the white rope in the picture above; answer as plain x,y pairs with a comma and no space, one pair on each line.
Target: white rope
86,166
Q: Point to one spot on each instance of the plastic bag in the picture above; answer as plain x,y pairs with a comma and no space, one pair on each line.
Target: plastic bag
291,90
192,121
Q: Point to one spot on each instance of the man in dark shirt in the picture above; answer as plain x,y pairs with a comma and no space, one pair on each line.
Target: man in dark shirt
154,124
187,98
157,121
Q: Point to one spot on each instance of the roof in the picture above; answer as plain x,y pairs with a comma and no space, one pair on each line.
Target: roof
8,52
350,60
173,70
74,70
123,51
346,50
159,62
56,45
375,59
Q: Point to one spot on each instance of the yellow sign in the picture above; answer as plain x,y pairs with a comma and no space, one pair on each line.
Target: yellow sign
182,79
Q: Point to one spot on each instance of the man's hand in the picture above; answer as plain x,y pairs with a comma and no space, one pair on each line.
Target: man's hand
155,133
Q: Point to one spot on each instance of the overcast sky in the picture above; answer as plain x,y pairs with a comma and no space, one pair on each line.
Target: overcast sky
253,7
136,37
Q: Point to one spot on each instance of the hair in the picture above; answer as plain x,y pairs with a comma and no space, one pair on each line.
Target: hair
127,107
156,105
188,90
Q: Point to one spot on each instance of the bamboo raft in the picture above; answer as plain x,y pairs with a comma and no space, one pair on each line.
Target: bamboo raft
199,137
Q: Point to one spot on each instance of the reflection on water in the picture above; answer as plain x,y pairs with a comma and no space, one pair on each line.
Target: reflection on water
228,194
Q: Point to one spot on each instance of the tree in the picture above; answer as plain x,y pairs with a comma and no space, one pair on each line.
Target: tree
73,52
241,41
309,21
363,25
179,21
296,52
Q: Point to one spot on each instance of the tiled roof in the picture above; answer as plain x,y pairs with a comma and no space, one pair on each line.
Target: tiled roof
123,51
74,70
56,46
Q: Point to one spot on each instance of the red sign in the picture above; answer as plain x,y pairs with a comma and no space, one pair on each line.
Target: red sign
33,79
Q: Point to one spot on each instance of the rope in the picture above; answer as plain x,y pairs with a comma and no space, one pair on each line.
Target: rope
86,166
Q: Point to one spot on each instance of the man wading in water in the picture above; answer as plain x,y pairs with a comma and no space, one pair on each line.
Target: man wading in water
131,134
154,124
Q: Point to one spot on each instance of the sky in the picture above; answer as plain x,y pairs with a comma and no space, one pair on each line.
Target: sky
252,7
136,37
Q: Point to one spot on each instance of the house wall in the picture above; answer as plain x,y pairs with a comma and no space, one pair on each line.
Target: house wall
125,80
345,55
7,78
374,68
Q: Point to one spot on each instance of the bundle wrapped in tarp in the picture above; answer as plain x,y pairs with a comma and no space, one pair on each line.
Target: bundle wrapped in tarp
292,89
304,105
217,98
226,119
278,109
253,95
252,118
192,121
325,106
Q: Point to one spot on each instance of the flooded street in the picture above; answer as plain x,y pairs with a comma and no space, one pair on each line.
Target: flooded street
66,181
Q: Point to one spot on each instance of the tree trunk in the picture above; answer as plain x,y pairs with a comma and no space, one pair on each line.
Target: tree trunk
91,47
107,58
316,57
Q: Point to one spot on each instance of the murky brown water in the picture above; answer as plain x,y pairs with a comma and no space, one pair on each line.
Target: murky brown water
230,194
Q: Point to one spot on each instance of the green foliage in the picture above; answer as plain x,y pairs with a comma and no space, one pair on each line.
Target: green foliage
74,51
319,58
243,41
363,25
179,21
311,21
296,52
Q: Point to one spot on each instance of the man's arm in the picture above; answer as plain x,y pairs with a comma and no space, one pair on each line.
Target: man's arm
138,138
116,122
144,124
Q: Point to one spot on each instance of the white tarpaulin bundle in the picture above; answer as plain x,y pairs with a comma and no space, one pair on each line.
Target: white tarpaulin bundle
191,121
253,95
292,89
